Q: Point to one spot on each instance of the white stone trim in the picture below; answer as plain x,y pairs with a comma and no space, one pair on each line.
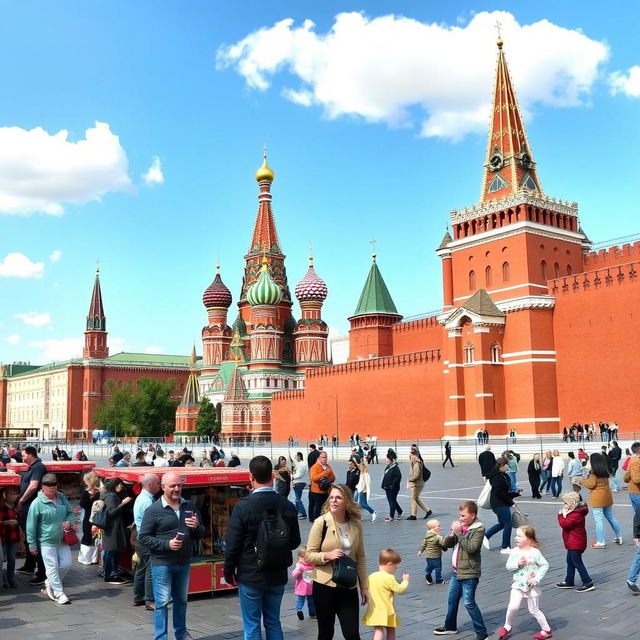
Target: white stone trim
454,365
525,360
516,354
516,286
456,397
505,421
484,395
481,330
526,302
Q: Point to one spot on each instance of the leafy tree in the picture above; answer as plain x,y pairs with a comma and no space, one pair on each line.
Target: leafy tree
207,423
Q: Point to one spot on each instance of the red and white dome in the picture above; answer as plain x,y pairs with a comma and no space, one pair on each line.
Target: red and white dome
311,288
217,294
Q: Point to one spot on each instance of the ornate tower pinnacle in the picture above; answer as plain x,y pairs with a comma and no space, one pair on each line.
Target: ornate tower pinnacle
509,167
95,335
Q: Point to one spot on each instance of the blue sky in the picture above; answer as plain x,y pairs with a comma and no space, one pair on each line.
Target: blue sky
376,126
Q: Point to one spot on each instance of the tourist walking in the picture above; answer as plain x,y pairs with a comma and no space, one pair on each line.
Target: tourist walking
335,534
88,553
467,534
501,501
114,536
9,534
600,499
545,472
513,469
447,454
391,484
634,569
574,472
533,471
571,519
170,526
322,477
557,471
50,514
613,459
632,477
364,489
303,586
415,484
432,546
487,461
353,475
381,614
282,477
300,480
529,567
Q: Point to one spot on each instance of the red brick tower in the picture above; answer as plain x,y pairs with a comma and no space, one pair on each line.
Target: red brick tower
216,336
95,336
500,355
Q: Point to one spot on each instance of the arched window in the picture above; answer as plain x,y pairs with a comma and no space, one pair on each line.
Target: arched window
472,280
469,353
495,352
556,270
488,276
505,272
569,270
543,269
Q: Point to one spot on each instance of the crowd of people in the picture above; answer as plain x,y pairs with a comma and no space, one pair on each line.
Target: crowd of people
154,456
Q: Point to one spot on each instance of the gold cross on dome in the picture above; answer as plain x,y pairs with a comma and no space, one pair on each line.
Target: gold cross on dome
498,26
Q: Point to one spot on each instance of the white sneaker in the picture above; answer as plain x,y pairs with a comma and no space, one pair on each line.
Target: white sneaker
48,591
485,543
505,551
374,515
617,540
62,599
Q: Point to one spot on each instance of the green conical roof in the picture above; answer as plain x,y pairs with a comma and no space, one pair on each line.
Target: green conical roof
375,297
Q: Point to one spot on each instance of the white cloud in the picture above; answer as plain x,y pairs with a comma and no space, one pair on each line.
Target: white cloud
62,349
14,338
34,319
39,171
153,349
154,174
17,265
398,70
627,83
55,256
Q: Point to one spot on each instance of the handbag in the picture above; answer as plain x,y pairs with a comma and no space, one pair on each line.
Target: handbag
69,537
345,569
518,519
324,483
484,499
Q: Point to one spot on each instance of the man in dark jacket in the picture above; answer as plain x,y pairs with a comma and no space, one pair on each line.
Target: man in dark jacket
487,461
312,458
260,590
353,475
613,460
169,527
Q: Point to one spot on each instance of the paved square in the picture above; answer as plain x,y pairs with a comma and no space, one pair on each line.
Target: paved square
611,611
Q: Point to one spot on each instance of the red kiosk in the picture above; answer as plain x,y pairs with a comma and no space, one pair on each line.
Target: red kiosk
9,480
214,491
68,473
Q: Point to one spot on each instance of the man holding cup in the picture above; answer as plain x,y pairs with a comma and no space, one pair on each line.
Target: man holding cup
169,527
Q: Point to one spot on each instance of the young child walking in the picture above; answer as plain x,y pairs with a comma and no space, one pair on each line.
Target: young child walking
303,574
574,535
432,546
380,613
529,567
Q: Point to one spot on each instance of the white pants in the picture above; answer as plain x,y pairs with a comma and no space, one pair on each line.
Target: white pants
88,555
57,561
533,601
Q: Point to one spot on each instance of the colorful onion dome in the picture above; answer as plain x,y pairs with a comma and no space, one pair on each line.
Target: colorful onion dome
239,326
265,172
264,290
311,287
217,294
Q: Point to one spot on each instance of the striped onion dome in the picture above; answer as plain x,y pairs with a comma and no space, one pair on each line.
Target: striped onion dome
217,294
311,287
264,290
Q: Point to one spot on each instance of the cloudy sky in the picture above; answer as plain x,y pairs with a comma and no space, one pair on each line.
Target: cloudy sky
130,133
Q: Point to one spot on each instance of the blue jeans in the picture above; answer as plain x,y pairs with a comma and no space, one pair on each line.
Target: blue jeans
545,478
614,481
574,561
513,477
362,501
10,549
465,589
556,486
504,523
110,563
599,514
297,490
634,569
310,604
261,603
170,582
434,564
634,498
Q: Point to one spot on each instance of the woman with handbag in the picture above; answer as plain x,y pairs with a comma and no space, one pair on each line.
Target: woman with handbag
114,537
88,553
322,477
336,548
501,502
50,520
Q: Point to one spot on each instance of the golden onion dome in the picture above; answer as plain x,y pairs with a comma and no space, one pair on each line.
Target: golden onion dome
265,172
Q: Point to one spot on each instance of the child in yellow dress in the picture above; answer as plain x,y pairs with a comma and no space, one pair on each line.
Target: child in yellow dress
382,585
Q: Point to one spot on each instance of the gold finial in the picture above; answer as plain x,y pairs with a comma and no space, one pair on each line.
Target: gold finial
193,355
311,254
498,26
218,262
373,243
98,267
265,261
265,172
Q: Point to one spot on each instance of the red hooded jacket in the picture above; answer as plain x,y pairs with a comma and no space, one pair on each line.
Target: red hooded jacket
574,533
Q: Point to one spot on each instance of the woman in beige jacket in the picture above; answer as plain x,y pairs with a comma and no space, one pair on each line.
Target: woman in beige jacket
343,535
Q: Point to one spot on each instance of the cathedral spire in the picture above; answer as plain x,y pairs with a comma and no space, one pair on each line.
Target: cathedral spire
509,166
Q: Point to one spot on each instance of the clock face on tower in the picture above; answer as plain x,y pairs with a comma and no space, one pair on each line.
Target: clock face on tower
495,162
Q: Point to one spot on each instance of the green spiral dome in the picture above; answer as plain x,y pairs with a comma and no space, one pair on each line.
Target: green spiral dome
264,290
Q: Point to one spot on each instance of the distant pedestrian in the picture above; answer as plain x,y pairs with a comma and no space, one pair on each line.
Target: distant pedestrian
415,485
322,477
447,454
487,461
353,476
282,477
634,569
533,471
545,473
300,480
574,471
632,477
9,533
364,490
432,546
391,484
557,471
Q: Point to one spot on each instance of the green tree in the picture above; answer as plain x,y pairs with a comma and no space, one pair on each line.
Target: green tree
207,422
114,413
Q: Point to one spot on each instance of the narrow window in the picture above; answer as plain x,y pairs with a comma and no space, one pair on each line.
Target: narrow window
488,276
472,280
556,270
543,269
495,352
569,270
505,272
469,353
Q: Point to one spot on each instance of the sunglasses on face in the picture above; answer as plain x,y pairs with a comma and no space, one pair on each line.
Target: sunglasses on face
49,484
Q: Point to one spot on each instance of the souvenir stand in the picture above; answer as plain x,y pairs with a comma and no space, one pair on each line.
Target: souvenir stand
9,479
214,491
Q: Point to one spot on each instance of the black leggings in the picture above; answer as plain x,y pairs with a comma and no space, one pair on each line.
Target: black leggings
316,500
332,601
392,499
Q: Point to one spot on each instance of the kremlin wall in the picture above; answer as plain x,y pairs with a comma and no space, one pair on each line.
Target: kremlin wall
536,331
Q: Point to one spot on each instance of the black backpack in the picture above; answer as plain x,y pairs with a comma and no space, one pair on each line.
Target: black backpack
273,541
426,474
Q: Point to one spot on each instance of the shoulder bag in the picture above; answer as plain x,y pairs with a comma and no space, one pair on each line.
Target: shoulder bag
484,499
345,569
518,519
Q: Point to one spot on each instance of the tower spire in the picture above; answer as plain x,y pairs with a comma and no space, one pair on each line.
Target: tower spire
95,335
509,166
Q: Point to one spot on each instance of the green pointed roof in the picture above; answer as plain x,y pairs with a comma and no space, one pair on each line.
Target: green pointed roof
375,297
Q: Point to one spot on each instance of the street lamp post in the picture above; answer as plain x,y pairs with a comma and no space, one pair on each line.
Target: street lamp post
337,421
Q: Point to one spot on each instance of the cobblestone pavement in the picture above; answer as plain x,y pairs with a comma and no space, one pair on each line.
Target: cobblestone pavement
611,611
